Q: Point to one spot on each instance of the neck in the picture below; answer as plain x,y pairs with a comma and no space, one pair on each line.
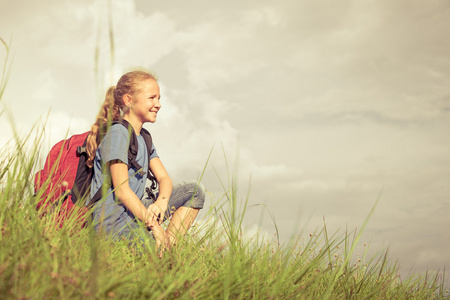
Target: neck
137,126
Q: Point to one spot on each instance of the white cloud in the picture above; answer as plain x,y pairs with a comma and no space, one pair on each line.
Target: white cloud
268,15
152,38
326,102
46,86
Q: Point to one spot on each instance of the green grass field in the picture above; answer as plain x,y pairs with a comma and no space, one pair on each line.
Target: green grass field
39,260
216,260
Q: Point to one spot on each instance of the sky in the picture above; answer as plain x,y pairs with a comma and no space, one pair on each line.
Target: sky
317,109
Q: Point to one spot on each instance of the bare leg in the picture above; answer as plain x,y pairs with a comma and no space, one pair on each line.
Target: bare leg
180,222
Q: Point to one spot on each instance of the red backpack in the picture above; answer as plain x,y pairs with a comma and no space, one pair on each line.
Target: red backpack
66,178
54,182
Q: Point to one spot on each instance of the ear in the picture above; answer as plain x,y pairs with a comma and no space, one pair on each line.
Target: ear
127,100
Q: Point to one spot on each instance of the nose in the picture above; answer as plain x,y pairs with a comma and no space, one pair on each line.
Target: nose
157,104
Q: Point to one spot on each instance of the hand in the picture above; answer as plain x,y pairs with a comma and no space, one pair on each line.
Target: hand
155,214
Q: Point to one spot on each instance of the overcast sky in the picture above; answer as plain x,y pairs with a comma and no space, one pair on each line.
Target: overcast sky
330,104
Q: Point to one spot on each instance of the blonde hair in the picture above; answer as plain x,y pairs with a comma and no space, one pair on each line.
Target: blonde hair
113,107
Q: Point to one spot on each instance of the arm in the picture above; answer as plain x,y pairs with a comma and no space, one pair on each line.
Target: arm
119,176
165,190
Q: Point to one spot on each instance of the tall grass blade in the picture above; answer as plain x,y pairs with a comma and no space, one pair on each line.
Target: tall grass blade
6,70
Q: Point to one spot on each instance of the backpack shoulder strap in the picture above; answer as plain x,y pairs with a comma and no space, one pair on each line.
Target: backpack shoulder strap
148,141
132,153
133,148
154,183
82,182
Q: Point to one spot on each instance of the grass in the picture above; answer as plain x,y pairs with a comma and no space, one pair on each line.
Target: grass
216,260
39,260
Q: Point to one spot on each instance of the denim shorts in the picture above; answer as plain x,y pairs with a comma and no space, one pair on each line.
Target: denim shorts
187,194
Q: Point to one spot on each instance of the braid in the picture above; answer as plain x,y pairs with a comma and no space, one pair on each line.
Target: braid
107,112
112,109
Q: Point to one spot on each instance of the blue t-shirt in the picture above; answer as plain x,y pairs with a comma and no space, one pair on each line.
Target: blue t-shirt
114,146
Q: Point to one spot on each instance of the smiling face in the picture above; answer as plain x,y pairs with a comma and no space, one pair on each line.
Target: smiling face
145,103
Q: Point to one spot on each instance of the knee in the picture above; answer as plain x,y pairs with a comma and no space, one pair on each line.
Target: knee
198,192
201,192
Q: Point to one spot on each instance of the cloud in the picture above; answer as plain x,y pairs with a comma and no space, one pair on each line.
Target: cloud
325,104
259,16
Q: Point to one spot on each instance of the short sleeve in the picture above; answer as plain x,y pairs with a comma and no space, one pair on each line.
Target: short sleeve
115,144
153,152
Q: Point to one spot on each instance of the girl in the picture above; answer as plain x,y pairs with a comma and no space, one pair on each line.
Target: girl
136,99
